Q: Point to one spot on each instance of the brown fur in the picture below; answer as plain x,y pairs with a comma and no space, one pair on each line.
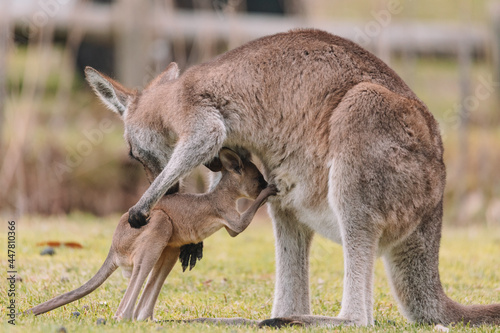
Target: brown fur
356,156
178,219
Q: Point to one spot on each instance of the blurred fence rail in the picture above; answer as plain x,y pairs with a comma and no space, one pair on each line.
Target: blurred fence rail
4,38
149,19
99,20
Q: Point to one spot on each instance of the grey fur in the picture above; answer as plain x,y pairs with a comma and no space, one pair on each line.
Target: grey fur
356,156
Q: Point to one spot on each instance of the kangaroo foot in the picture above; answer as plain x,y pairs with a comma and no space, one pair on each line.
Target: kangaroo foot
306,320
280,322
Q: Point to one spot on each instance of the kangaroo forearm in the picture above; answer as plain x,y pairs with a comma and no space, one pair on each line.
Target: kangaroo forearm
167,178
249,214
186,156
247,217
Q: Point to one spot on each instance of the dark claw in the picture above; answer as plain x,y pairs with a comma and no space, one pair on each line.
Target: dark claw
192,261
137,219
190,253
182,259
273,189
280,322
199,251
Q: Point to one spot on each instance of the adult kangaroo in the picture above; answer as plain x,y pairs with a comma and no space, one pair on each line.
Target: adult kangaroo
355,154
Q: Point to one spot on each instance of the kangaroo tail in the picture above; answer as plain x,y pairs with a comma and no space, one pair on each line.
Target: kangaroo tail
107,268
413,270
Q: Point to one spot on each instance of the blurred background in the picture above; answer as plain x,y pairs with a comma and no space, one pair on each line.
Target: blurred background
61,151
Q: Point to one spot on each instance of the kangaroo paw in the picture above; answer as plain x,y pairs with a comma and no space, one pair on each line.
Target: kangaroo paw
137,218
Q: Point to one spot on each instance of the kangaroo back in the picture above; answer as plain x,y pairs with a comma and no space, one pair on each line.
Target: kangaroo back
107,268
413,269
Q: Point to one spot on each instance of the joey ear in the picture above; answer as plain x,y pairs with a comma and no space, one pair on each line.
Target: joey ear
214,165
230,160
169,74
113,94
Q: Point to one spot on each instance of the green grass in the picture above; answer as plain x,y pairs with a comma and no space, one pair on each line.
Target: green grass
235,278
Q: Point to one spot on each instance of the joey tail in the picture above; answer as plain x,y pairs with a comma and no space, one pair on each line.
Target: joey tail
412,267
107,268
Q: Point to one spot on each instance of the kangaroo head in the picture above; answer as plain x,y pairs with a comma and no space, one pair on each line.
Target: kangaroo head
151,142
240,173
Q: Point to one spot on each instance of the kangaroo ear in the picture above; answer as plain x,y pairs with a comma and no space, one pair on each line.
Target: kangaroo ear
214,165
113,94
169,74
230,160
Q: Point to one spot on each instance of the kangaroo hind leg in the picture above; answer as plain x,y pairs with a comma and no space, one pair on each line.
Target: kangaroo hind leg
150,245
359,227
162,268
384,176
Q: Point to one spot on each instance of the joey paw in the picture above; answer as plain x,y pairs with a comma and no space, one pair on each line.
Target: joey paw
272,189
137,218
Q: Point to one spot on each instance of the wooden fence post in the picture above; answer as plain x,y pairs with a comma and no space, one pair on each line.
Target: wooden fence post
464,65
495,18
4,42
133,38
